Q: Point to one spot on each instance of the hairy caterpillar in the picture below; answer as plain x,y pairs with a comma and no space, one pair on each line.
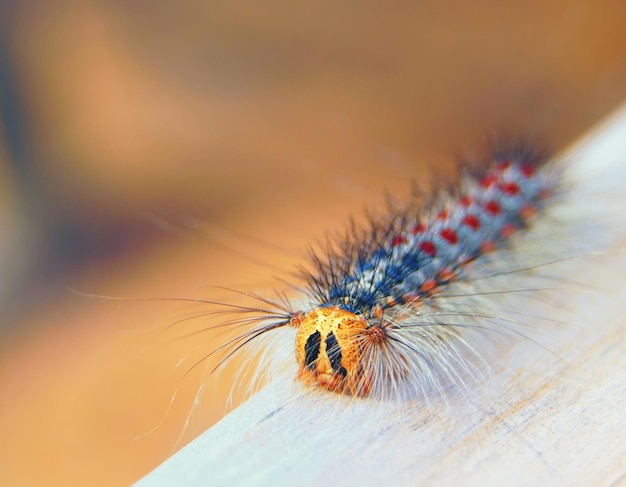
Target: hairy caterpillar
373,322
531,416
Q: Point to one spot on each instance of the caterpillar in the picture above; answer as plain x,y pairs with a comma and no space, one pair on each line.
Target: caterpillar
373,322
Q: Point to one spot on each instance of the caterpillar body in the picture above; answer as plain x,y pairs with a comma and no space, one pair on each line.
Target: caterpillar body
371,324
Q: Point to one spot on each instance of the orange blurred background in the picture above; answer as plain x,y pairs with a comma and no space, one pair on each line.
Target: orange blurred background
150,150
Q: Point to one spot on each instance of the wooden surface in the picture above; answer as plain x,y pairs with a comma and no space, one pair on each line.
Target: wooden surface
543,416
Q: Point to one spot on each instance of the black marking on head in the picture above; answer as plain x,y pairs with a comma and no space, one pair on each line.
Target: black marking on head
312,349
333,350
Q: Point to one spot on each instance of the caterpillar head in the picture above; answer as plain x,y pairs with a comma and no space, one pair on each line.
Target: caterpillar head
329,348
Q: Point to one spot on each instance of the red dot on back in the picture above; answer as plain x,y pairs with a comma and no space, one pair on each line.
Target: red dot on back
449,236
488,180
508,230
527,170
502,165
492,207
428,248
509,188
471,221
398,240
465,200
419,228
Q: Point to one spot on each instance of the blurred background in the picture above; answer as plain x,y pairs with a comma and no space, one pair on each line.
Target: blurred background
152,149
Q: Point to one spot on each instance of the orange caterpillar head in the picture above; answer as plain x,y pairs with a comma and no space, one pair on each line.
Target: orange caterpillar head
329,348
